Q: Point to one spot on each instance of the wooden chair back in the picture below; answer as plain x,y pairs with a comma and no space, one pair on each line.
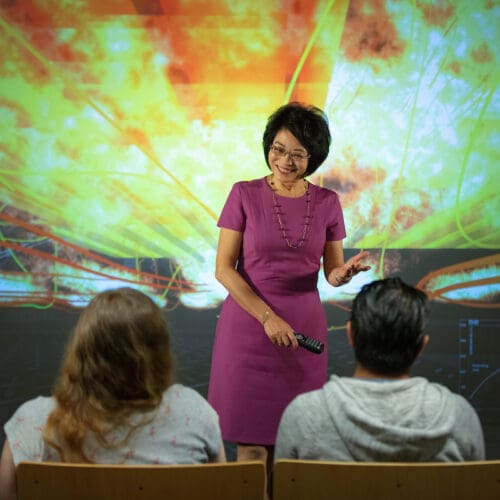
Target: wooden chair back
306,480
62,481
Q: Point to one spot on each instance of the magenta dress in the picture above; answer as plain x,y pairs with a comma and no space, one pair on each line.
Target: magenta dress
251,379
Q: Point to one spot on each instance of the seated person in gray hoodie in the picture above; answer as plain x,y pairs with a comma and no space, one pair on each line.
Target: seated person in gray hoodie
381,413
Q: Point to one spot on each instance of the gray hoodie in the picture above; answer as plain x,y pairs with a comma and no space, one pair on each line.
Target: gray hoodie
407,420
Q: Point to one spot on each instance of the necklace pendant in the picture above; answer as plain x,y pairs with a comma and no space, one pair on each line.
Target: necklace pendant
307,218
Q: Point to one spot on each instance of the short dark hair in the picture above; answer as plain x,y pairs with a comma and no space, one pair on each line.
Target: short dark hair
308,124
388,320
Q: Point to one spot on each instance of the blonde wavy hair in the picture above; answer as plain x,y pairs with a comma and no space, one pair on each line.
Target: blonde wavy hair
118,363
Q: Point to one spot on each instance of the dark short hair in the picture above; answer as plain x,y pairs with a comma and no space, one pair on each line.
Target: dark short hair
388,320
308,124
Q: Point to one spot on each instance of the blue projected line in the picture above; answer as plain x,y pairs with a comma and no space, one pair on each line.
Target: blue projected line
473,393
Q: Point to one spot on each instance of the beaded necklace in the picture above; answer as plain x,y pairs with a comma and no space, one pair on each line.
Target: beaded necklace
307,219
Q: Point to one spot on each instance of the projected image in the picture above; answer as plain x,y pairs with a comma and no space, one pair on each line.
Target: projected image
479,368
125,123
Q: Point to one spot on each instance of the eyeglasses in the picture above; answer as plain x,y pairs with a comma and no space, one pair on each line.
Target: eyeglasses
294,155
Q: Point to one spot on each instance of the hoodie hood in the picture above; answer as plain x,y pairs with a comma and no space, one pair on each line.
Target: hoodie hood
396,420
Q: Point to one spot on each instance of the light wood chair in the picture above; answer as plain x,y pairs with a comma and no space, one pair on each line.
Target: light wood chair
306,480
61,481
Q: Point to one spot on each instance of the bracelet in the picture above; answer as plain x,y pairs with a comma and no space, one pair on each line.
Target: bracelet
265,315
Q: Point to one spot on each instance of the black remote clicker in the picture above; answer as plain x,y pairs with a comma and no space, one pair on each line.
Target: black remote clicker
309,343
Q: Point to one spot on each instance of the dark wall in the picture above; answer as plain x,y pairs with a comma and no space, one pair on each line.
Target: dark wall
463,353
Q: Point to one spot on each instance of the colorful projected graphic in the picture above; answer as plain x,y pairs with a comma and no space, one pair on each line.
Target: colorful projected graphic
124,124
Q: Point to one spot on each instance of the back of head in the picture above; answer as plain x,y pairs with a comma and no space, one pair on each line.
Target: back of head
117,362
388,320
308,124
120,350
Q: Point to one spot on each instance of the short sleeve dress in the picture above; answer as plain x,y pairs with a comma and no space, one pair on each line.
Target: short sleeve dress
251,379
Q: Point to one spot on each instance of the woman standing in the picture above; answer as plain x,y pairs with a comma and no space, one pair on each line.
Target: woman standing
274,232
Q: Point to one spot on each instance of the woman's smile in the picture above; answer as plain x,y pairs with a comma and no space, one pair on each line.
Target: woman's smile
283,165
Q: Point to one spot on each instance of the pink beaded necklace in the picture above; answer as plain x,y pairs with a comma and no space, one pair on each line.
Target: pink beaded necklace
307,219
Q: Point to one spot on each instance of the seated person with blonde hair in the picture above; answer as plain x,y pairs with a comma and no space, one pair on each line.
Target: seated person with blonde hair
381,414
115,400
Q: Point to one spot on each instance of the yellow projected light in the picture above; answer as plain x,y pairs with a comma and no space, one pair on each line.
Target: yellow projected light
124,125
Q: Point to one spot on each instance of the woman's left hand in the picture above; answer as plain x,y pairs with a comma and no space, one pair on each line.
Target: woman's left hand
343,274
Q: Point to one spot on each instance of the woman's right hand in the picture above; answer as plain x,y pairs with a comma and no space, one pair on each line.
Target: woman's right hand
280,333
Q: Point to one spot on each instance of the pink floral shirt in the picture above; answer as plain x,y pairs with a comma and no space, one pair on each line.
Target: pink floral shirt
184,429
